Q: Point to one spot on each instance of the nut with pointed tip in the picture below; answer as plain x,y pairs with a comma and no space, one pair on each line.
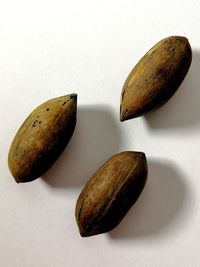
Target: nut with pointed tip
156,77
110,193
42,138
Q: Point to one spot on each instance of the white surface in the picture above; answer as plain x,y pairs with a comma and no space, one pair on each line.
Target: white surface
52,48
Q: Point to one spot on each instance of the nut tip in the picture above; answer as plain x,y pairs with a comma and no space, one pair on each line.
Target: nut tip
123,114
73,96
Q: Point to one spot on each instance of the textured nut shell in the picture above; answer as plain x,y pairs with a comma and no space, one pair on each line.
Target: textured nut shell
42,138
156,77
111,192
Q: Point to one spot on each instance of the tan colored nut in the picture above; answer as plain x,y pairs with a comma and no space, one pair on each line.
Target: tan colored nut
156,77
42,138
110,193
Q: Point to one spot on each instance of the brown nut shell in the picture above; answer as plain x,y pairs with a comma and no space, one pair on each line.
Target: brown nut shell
42,138
110,193
156,77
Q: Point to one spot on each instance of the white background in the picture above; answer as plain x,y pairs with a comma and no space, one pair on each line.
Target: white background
52,48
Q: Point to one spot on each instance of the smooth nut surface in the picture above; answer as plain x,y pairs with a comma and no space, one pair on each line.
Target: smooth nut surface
111,192
42,138
156,77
